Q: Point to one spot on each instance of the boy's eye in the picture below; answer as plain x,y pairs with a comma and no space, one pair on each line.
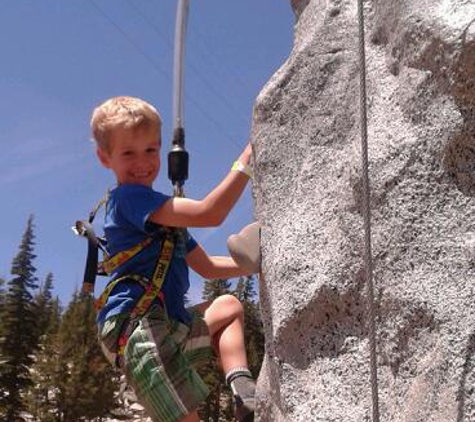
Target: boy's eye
127,153
152,150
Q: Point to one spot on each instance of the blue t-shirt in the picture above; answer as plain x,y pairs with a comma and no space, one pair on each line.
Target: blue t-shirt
126,224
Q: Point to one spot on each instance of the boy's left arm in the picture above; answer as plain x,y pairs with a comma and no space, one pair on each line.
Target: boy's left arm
211,267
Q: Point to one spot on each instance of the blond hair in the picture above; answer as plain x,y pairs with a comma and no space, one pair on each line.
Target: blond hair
122,113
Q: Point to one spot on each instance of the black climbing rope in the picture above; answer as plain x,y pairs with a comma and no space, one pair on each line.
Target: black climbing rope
367,214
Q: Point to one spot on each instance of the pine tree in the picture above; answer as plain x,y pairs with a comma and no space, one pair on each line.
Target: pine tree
2,292
2,335
44,304
19,341
214,288
46,369
245,291
2,302
55,317
88,382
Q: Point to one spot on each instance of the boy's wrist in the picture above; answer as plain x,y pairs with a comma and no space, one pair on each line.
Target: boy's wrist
243,168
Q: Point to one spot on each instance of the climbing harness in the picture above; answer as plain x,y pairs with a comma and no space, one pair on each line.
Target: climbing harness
109,263
152,287
367,213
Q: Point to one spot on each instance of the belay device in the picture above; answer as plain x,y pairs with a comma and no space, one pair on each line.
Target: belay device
178,160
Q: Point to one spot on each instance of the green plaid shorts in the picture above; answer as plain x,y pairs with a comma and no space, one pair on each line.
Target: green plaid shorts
160,362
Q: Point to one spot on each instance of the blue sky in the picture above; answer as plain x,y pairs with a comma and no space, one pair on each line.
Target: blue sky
60,59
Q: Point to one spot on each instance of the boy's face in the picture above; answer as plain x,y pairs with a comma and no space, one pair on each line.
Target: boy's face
134,155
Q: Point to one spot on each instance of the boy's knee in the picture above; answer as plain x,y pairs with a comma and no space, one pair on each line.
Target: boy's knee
231,304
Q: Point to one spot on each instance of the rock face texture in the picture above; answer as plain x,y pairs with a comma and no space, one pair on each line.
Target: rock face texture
308,190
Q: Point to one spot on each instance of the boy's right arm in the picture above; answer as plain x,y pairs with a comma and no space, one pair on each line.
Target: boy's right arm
210,211
211,267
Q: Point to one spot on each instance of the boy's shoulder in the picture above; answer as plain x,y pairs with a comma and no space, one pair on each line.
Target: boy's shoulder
130,191
130,199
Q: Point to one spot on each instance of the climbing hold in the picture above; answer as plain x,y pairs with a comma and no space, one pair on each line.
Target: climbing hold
245,247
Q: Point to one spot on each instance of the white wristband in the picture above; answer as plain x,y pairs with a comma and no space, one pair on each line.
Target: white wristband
243,168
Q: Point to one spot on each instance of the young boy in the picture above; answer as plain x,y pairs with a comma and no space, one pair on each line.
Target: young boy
163,346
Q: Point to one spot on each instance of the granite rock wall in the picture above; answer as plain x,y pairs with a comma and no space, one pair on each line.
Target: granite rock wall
308,190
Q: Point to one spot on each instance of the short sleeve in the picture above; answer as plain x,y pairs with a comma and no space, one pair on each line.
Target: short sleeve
191,243
135,203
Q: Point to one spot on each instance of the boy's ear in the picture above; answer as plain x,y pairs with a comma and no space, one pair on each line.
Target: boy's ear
103,157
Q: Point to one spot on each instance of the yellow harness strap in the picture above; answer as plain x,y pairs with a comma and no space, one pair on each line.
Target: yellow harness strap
152,289
101,301
111,263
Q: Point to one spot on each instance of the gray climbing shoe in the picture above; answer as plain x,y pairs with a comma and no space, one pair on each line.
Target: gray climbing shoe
243,388
244,409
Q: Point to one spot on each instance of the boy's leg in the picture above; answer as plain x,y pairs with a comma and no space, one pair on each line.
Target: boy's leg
158,369
225,320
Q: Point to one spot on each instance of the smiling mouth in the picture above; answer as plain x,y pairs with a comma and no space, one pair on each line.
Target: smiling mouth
143,175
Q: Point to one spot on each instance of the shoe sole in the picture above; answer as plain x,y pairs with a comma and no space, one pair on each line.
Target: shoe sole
249,418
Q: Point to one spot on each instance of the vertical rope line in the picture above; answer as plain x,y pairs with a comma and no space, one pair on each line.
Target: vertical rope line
367,213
